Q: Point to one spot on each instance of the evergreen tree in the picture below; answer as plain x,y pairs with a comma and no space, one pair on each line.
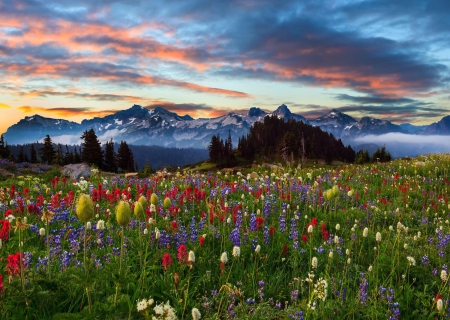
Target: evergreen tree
92,152
110,163
4,149
58,155
33,155
76,157
215,149
125,158
47,153
21,157
147,170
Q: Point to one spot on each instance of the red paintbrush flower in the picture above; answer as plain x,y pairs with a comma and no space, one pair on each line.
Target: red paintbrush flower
166,261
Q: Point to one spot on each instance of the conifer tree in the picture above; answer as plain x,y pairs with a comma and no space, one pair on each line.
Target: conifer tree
59,155
33,155
4,149
21,157
76,157
47,153
110,162
92,152
125,158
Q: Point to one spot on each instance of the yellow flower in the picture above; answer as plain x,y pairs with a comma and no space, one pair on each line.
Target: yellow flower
85,208
123,213
47,216
20,224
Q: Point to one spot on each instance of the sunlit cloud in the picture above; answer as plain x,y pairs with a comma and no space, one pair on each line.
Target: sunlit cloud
67,112
4,106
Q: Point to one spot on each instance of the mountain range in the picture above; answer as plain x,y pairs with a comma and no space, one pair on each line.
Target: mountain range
140,126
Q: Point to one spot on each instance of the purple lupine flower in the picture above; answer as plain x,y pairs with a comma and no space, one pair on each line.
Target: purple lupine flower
362,294
235,237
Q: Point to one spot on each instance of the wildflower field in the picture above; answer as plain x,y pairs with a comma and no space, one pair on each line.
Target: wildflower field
359,242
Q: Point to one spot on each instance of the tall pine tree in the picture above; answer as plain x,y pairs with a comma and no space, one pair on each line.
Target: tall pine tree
125,158
92,152
33,155
110,162
47,153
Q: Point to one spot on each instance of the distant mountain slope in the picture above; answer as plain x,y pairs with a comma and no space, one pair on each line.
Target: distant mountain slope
441,127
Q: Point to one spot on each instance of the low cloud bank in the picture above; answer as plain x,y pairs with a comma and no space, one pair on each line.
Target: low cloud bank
401,145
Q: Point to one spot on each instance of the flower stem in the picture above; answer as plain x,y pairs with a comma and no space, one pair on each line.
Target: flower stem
86,270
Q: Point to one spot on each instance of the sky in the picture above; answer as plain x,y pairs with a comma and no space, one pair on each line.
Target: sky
79,59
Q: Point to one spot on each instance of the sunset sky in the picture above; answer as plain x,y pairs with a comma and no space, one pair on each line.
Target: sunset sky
80,59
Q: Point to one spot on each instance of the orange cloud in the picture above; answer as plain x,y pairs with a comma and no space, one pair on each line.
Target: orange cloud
4,106
67,112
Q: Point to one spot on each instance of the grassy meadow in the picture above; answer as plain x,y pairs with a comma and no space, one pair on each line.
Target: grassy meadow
344,242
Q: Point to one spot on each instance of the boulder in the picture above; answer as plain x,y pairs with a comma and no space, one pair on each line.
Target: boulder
131,175
77,170
5,174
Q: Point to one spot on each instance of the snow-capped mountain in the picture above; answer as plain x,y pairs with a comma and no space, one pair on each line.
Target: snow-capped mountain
368,125
141,126
334,122
286,114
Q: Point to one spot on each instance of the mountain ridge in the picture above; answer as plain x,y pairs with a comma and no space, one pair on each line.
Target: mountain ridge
139,125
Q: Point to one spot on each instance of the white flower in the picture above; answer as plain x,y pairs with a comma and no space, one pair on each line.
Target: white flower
378,237
258,249
191,256
330,255
405,246
338,226
349,260
314,262
224,257
145,231
310,228
100,225
236,251
443,275
196,315
365,232
142,305
347,252
439,305
369,269
42,232
88,225
411,260
157,233
10,218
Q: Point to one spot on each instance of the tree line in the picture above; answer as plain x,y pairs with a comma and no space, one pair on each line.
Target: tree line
90,151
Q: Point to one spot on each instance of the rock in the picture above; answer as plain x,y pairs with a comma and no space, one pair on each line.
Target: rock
5,174
75,171
254,175
131,175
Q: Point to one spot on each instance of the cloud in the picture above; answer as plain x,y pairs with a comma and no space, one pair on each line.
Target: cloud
67,112
78,95
4,106
373,99
408,144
